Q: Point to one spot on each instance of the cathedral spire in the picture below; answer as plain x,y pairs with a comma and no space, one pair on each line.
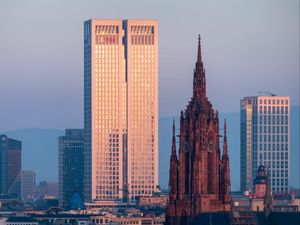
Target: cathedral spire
225,170
199,75
173,140
173,173
225,151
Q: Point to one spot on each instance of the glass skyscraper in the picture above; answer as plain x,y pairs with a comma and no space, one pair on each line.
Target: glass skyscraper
120,109
265,140
10,166
71,150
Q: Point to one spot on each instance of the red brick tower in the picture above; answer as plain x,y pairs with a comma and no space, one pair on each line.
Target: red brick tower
203,178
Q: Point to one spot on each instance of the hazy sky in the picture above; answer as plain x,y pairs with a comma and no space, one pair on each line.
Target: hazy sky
248,46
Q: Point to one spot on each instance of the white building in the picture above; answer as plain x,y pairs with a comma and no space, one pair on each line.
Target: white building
265,140
120,109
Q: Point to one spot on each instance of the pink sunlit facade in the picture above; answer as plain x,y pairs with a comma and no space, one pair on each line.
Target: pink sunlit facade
121,109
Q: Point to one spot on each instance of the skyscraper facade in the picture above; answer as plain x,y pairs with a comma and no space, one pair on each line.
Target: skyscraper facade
265,140
28,184
71,164
120,108
10,166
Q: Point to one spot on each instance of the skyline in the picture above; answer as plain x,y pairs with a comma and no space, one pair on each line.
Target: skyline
37,85
150,112
51,93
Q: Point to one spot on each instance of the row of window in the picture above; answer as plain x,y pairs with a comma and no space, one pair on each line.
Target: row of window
141,29
273,147
279,182
273,138
274,109
274,165
106,173
273,129
279,173
142,39
106,29
278,156
274,101
279,189
273,120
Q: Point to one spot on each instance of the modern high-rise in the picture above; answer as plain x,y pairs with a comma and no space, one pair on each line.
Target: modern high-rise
71,164
265,140
10,166
120,108
28,184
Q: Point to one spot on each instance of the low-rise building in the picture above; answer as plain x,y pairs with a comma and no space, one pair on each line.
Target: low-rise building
153,201
104,220
21,220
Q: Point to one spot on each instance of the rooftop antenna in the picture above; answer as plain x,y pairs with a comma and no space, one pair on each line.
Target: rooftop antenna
267,93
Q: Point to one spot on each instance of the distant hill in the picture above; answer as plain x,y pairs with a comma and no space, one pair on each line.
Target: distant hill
40,148
39,151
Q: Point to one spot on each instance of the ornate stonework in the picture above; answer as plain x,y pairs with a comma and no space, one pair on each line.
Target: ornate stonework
199,178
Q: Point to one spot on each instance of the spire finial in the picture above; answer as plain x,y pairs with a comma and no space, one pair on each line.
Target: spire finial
225,131
199,58
173,127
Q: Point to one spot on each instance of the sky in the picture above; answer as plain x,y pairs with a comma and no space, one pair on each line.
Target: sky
248,46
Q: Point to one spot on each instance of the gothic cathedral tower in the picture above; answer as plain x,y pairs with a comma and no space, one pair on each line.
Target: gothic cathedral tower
200,177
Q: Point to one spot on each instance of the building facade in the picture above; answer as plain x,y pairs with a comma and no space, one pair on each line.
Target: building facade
199,177
10,166
27,184
71,164
120,109
265,140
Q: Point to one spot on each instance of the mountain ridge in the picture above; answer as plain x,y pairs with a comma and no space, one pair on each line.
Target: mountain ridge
41,144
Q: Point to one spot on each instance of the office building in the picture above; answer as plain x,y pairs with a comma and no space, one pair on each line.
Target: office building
10,166
71,180
28,184
265,140
120,109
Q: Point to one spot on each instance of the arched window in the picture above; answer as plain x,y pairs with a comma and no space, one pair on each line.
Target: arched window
183,218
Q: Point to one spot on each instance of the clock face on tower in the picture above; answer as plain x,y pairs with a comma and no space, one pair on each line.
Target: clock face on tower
211,146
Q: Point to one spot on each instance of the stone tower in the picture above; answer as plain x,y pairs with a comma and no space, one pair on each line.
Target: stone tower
200,177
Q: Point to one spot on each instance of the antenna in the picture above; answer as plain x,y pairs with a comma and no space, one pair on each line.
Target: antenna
268,93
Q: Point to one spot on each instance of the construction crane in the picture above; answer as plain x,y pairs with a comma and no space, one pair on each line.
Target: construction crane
268,93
